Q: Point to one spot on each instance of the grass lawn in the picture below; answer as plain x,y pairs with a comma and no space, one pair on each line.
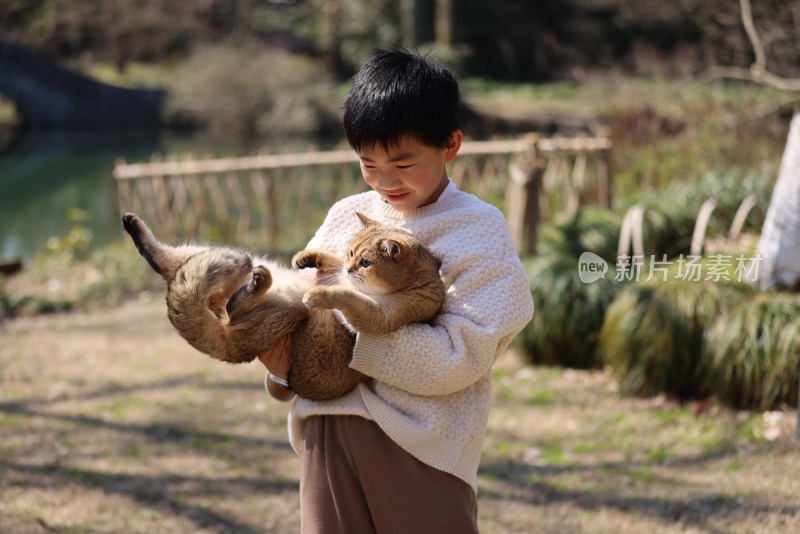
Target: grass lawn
110,422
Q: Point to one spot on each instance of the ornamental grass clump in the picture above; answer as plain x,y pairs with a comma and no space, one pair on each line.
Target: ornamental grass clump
653,333
752,353
668,227
591,229
569,312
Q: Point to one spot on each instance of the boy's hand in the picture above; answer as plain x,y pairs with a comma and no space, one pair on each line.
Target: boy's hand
278,361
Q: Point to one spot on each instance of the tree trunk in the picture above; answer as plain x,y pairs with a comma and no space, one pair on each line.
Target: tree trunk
444,24
408,22
779,245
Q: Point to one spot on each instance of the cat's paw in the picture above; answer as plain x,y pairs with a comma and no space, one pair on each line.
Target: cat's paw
316,298
262,279
305,260
132,224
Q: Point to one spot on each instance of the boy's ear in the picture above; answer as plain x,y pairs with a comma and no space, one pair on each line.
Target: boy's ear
453,145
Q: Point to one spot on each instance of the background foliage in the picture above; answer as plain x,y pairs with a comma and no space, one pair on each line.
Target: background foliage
503,39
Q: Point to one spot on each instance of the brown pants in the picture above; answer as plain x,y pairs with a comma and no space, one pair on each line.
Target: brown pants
354,479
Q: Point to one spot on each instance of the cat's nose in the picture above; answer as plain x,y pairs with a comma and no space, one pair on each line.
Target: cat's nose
350,270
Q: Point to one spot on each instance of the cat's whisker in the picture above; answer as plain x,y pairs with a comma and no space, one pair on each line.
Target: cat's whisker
359,282
330,279
329,269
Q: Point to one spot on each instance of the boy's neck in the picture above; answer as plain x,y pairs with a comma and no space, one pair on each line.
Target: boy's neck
438,191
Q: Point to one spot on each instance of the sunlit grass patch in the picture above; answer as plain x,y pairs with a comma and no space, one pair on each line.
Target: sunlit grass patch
661,455
540,398
9,419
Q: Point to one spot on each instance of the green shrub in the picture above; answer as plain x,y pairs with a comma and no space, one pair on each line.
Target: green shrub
728,189
752,353
109,275
568,313
249,91
591,229
652,335
668,227
670,214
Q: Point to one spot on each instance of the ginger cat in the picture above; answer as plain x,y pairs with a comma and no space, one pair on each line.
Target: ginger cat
233,306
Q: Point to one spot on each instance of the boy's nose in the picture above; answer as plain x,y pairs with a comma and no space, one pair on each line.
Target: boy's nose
388,180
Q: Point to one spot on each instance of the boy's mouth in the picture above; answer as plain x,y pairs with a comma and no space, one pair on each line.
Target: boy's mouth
392,197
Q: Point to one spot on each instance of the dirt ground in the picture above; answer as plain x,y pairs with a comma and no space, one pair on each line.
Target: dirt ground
110,422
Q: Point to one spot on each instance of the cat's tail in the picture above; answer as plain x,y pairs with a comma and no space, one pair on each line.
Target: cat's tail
143,238
164,259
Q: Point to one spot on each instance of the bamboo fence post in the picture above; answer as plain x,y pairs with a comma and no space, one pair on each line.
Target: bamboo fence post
273,194
605,171
123,187
522,197
458,170
741,216
533,199
161,190
699,234
239,201
195,203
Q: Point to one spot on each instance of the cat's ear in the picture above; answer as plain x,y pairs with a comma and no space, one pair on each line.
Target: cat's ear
366,220
216,304
396,248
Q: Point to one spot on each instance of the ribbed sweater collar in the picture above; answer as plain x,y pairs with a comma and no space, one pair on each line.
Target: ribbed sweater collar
386,210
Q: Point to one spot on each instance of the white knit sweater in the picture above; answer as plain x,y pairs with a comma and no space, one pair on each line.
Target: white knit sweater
431,386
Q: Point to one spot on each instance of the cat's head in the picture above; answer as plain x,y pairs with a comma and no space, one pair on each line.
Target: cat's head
223,280
209,289
214,295
382,259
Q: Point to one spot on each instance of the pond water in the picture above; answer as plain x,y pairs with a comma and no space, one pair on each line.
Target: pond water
47,176
51,181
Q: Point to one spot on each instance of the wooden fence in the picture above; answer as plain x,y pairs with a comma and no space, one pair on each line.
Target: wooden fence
276,201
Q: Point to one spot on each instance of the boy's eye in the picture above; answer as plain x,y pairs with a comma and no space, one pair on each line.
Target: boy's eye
365,262
403,167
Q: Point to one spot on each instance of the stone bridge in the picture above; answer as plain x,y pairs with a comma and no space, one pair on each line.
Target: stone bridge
49,97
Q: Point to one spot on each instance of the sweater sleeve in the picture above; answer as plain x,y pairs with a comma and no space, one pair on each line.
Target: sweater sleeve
488,301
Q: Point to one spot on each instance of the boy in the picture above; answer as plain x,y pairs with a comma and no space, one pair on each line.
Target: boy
400,453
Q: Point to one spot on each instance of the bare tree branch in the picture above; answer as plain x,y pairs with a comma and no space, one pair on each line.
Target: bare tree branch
758,70
750,28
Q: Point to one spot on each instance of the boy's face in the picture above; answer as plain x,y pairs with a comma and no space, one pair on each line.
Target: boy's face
411,174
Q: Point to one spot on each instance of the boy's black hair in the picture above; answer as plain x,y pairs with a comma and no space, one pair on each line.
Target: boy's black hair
399,94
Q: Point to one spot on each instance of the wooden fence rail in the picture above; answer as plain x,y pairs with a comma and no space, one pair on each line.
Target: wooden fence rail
277,200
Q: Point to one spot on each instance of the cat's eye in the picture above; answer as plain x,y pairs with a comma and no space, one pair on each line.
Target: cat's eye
351,253
365,262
